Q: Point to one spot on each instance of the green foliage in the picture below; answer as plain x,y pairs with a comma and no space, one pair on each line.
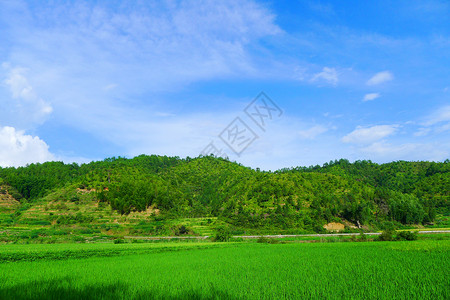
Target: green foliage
389,235
304,198
362,237
182,230
17,196
385,236
406,236
406,209
222,234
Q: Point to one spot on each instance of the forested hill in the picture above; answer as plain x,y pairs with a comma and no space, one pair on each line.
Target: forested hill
362,192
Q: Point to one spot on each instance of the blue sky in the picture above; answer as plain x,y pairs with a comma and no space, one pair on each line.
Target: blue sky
86,80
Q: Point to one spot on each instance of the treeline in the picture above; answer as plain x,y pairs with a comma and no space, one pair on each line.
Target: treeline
362,192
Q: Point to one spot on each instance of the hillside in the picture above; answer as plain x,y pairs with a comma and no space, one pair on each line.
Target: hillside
159,194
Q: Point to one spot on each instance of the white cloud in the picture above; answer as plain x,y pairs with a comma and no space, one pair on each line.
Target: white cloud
18,149
422,132
385,152
98,62
443,128
435,123
312,132
18,84
328,74
385,149
380,78
25,105
106,69
150,46
367,135
441,115
371,96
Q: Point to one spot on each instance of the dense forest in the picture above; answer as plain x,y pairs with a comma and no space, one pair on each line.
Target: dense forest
359,193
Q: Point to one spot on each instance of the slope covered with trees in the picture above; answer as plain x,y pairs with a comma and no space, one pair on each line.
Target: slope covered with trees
359,193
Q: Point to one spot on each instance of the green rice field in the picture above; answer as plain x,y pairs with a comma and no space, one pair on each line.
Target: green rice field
205,270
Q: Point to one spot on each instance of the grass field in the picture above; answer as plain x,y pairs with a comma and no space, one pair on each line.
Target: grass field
382,270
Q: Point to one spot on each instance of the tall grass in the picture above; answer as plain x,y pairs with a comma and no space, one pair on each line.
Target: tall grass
401,270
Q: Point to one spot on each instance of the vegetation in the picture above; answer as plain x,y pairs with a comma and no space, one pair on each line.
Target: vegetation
143,196
223,234
401,270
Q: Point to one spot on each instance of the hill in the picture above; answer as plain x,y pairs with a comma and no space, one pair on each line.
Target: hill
159,194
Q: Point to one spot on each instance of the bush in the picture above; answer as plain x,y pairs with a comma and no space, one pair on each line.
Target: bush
319,229
78,239
387,225
181,230
362,237
223,234
17,196
75,199
262,239
406,236
386,235
119,241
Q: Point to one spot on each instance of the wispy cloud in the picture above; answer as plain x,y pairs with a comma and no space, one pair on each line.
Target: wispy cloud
166,76
312,132
380,77
158,45
439,116
422,132
367,135
371,96
328,75
438,122
24,104
108,69
384,151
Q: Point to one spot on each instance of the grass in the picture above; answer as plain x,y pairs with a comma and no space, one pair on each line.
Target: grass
383,270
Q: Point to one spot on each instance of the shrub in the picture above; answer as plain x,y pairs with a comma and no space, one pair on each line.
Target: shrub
75,199
319,229
406,236
78,239
181,230
262,239
362,237
387,225
223,234
17,196
386,235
